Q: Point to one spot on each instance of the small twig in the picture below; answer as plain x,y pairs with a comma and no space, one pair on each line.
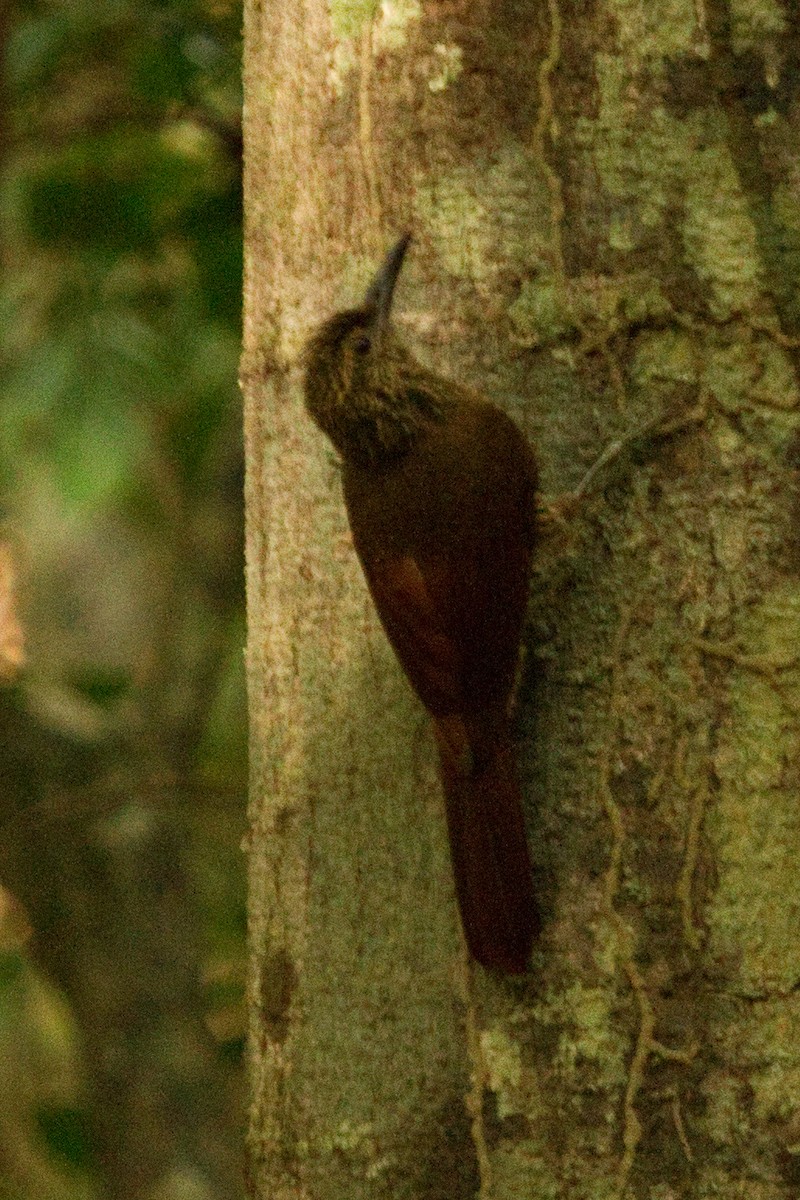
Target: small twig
653,428
680,1128
612,451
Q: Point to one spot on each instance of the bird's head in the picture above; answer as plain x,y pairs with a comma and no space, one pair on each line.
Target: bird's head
354,362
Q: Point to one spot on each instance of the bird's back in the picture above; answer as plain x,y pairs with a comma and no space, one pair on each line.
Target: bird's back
460,503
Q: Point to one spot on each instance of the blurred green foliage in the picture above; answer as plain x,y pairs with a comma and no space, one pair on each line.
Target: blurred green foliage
64,1133
120,495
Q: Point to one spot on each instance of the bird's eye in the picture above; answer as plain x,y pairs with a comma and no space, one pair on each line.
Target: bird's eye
362,344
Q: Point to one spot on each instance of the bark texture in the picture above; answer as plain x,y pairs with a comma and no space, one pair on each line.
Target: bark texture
606,205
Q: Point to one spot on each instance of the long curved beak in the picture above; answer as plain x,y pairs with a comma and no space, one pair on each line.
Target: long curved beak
378,299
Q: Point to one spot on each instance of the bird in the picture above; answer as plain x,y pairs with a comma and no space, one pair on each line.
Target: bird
440,490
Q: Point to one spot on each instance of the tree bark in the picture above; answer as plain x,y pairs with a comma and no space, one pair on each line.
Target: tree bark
606,212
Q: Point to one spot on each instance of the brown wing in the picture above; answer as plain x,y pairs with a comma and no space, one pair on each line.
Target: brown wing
427,652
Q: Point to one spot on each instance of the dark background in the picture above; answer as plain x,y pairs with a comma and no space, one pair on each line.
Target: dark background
122,708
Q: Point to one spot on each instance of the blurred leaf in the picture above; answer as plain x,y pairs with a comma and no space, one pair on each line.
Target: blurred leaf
129,337
113,192
87,206
39,381
162,71
12,965
214,226
104,686
204,51
65,1132
192,434
212,360
225,1018
33,48
97,455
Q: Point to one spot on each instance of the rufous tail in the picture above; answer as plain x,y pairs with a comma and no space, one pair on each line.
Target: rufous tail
489,849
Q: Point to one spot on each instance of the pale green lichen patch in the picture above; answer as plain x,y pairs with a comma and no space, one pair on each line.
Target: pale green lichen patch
550,308
354,1142
543,311
588,1049
719,236
754,20
487,216
522,1171
722,1119
343,61
606,947
717,1184
445,66
646,30
786,201
392,28
754,913
503,1063
350,1137
639,155
650,162
731,535
642,299
758,1095
348,16
621,235
664,356
776,1088
459,223
391,18
729,374
757,372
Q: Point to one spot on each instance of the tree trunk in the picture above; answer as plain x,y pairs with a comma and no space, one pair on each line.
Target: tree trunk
606,211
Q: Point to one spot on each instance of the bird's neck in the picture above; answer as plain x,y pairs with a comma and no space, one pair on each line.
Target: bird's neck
378,426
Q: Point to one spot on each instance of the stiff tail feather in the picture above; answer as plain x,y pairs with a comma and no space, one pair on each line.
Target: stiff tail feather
489,850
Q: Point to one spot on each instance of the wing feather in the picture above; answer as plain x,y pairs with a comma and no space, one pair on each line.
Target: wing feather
417,632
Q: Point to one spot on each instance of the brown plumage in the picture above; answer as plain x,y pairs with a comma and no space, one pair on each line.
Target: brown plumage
440,489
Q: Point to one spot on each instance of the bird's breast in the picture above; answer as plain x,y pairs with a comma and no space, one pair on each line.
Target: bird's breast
466,481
